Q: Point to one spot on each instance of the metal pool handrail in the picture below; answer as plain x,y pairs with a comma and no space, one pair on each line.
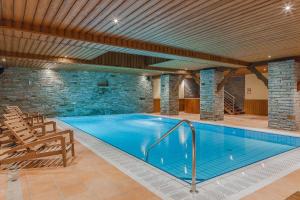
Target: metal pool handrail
189,123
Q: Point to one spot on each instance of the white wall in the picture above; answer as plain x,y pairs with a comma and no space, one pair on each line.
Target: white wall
255,88
181,90
156,89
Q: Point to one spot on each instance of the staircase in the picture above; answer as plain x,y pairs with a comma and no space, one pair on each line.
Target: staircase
230,105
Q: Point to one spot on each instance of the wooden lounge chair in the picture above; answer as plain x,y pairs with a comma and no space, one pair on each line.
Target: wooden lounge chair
5,136
31,118
43,125
31,147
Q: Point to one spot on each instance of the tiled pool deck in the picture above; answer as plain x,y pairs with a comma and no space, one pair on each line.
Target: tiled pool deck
87,177
95,176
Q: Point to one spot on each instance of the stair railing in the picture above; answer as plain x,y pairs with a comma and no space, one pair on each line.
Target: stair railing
231,99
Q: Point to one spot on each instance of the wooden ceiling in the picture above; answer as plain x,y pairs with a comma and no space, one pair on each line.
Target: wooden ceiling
189,34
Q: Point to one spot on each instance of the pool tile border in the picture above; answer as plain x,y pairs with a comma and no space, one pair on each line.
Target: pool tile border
219,123
233,185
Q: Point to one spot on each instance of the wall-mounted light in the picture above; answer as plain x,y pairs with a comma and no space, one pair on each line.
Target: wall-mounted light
288,7
3,60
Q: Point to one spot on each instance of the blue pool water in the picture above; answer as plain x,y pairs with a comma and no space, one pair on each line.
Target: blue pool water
219,149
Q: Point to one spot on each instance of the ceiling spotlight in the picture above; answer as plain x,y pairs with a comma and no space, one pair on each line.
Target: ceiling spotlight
115,21
288,8
66,56
269,56
265,69
3,60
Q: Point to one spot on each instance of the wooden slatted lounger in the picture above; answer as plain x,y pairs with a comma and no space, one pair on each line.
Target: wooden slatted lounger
32,118
42,126
31,147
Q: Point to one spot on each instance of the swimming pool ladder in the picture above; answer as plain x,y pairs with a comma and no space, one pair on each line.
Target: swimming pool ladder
189,123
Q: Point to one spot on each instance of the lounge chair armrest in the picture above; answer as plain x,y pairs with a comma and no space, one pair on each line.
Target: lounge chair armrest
68,132
39,126
29,119
39,117
44,141
52,123
61,133
25,115
32,144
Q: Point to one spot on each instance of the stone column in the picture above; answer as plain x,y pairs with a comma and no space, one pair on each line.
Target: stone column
284,100
211,101
169,94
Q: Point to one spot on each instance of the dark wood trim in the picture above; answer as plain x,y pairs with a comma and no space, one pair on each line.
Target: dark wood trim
196,78
265,62
188,105
117,41
258,74
226,79
111,59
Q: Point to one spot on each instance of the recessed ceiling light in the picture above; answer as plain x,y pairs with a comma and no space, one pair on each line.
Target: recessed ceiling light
66,56
115,21
269,56
288,7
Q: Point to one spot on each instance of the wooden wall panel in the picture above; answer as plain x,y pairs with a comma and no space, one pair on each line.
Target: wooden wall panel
185,105
251,106
181,104
192,106
156,105
256,107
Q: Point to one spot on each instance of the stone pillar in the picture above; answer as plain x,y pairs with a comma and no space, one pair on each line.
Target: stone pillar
284,100
211,101
169,94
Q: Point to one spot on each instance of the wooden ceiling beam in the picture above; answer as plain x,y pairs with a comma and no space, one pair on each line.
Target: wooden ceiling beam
117,41
258,74
226,79
109,59
196,78
265,62
121,59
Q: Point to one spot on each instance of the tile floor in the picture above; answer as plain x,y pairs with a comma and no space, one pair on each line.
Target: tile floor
91,177
87,177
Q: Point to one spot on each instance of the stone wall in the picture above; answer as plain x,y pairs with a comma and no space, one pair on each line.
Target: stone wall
75,93
284,100
212,102
169,94
236,87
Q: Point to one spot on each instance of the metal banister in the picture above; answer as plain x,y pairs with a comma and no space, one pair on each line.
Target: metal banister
231,98
189,123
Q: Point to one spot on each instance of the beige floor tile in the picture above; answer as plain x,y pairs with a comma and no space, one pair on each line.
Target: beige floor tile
87,177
